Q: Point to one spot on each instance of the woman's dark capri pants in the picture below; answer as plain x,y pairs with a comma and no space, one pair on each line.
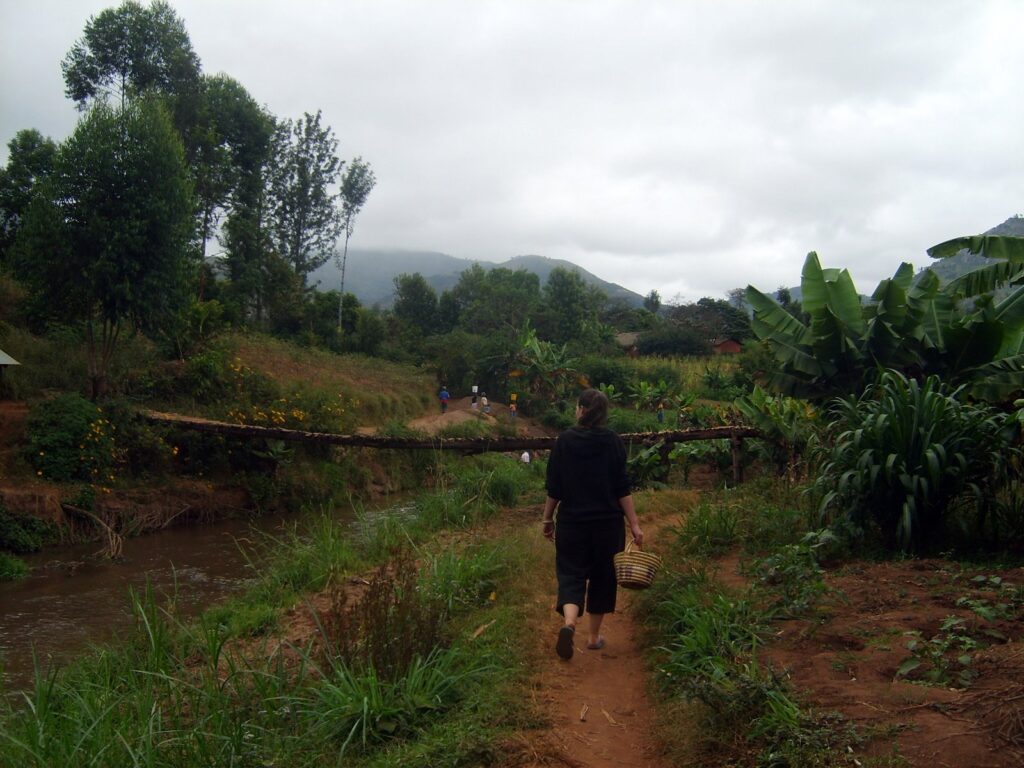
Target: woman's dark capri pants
584,552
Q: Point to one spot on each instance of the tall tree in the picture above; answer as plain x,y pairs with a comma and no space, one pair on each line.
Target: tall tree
105,243
30,160
356,184
416,302
129,50
568,307
305,217
712,319
652,302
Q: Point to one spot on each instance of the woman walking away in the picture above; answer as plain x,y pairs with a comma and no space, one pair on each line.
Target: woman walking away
588,485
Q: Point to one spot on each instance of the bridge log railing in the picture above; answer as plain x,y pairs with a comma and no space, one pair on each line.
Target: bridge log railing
466,445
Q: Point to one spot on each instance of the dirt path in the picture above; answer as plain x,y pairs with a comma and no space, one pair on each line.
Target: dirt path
597,703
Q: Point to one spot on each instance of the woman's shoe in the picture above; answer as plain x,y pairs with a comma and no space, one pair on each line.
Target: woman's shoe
564,646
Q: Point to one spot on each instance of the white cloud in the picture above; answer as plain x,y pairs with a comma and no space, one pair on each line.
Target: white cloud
689,147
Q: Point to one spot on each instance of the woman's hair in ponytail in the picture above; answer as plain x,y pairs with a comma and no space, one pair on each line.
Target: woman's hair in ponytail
595,408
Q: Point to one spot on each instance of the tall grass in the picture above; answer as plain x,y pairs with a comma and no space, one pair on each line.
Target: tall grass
706,636
211,693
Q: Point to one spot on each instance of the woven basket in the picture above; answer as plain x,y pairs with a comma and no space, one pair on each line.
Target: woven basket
635,569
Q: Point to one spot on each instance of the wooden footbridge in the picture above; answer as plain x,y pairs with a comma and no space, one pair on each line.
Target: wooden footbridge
735,436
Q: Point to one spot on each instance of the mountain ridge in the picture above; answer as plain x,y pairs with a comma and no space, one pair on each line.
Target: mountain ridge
370,273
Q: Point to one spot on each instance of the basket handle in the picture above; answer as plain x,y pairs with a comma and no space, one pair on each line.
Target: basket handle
631,545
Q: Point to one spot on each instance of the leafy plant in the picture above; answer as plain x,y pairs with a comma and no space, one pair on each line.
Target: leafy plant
932,660
904,453
22,534
463,579
69,439
358,707
793,575
787,423
911,323
12,568
648,467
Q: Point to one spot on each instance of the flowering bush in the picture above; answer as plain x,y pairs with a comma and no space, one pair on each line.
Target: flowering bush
312,411
69,439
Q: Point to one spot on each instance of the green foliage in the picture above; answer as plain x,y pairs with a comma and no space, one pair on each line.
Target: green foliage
605,372
960,331
709,529
416,302
711,319
12,568
904,453
69,439
461,579
129,50
788,425
723,383
360,709
794,575
214,376
105,242
648,467
305,217
672,341
22,534
140,447
944,658
30,159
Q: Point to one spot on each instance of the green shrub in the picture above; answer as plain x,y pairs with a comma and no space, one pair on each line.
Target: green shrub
140,446
903,454
69,439
22,534
12,568
463,579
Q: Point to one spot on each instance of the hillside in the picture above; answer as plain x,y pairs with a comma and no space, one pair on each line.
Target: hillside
370,273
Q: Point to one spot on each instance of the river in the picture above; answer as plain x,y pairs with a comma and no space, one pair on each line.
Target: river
72,601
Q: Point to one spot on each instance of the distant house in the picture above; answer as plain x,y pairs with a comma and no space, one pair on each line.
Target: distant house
726,346
627,341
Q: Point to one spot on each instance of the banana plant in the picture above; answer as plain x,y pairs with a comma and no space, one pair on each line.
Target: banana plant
911,323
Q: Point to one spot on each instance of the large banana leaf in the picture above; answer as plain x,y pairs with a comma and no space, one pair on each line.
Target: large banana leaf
832,288
890,325
971,344
938,316
1013,343
984,279
1010,311
992,246
998,380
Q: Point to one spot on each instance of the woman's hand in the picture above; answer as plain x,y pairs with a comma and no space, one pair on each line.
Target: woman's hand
638,535
549,529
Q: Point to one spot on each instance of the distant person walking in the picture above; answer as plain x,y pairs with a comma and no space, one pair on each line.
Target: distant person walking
444,397
485,403
588,485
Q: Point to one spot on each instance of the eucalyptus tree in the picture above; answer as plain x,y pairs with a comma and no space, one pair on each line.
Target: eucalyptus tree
30,160
130,50
357,182
305,216
105,242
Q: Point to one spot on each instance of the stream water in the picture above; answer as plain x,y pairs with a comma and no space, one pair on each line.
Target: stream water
72,600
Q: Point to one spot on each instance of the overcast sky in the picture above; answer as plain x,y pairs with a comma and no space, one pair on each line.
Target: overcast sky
689,147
